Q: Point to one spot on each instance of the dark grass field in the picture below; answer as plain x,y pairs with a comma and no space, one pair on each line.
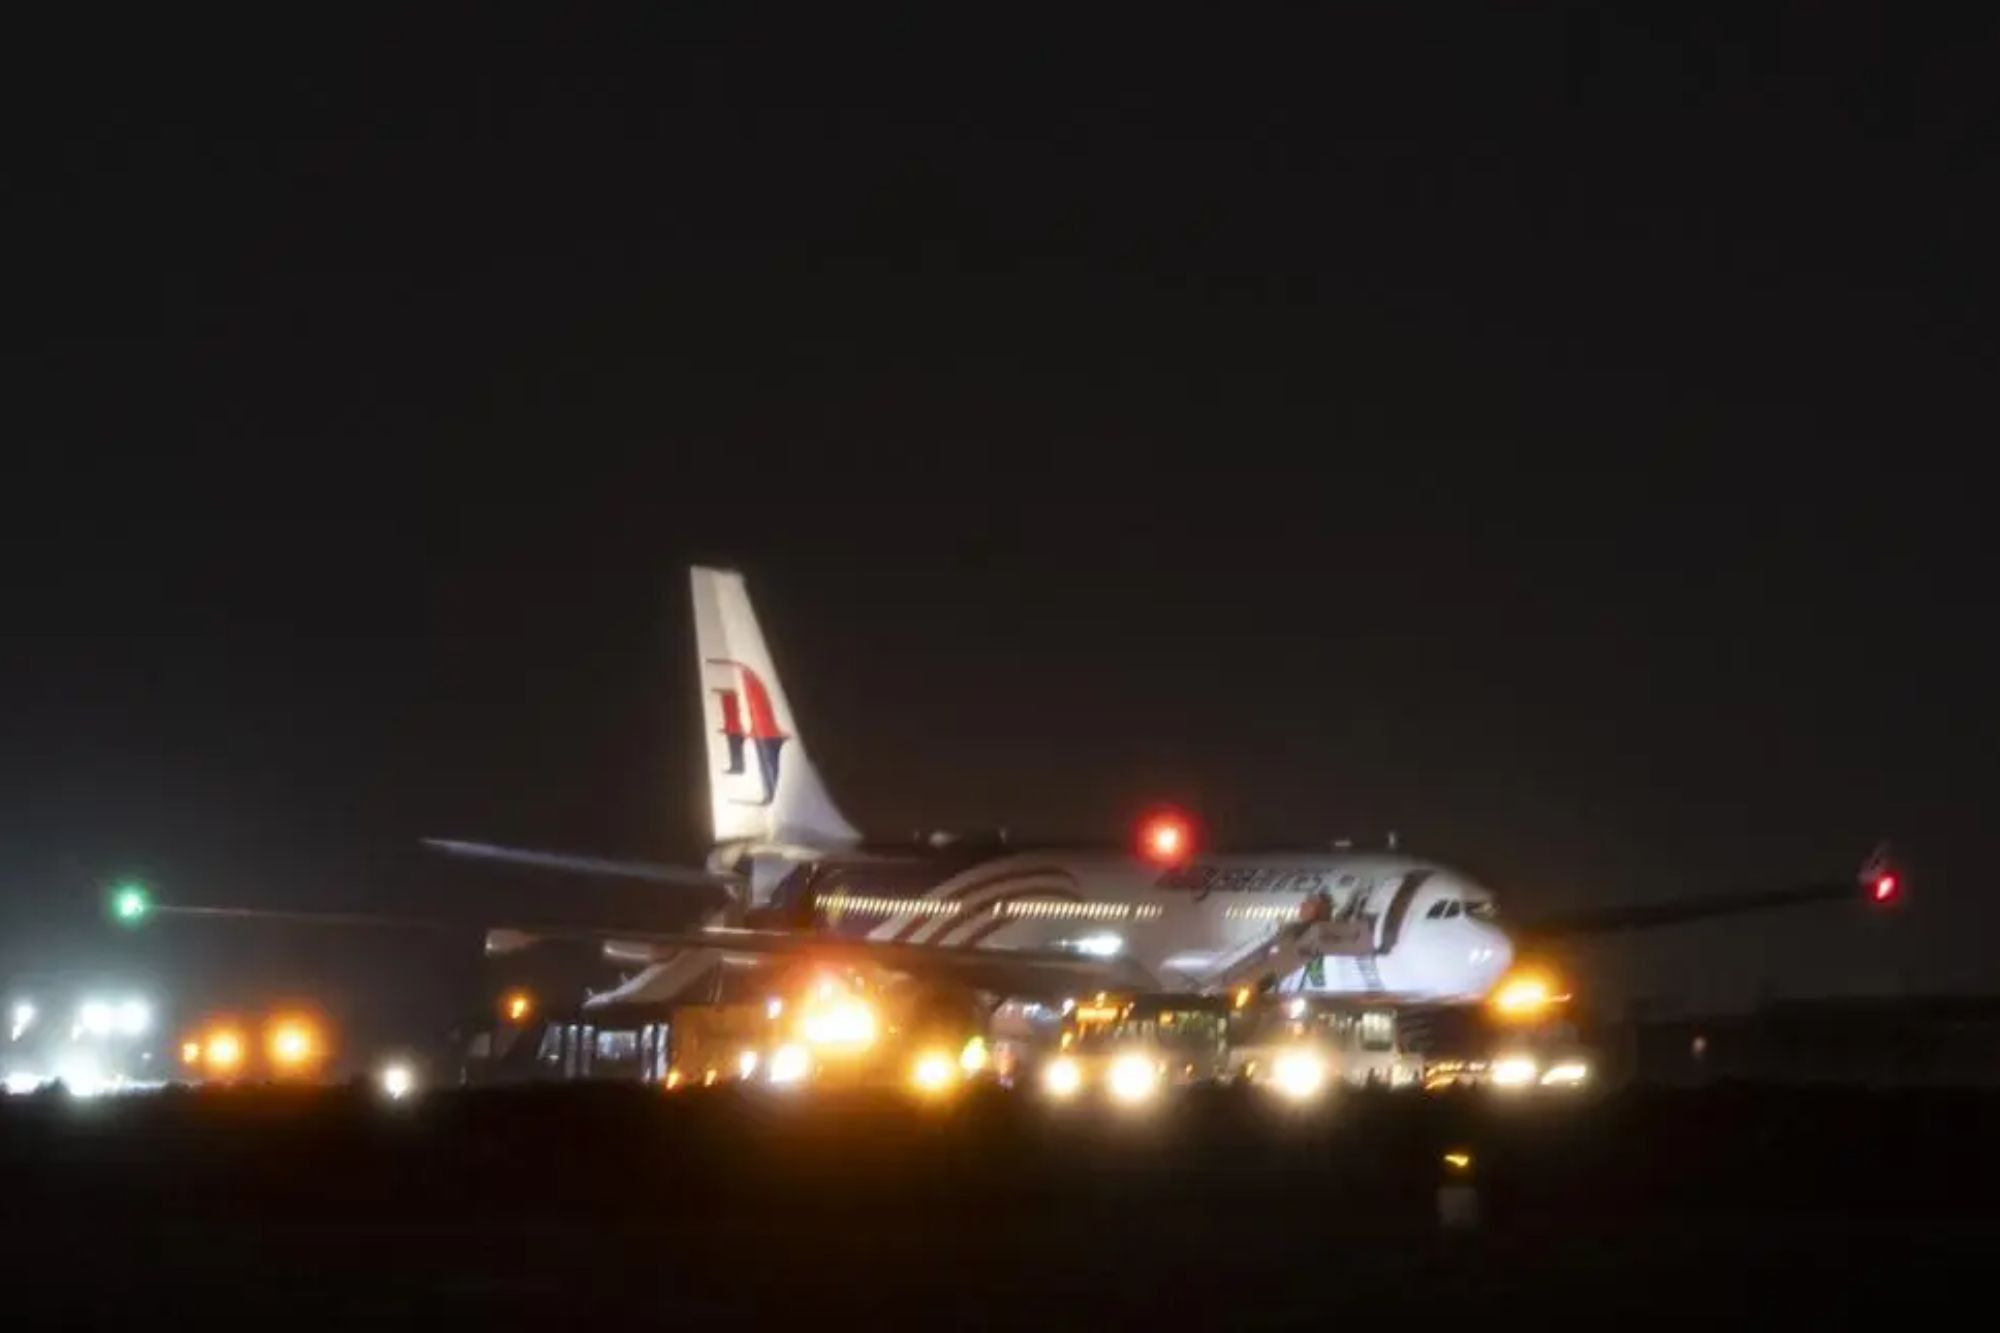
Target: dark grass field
553,1206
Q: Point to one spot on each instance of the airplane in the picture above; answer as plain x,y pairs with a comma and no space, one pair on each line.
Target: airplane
1026,922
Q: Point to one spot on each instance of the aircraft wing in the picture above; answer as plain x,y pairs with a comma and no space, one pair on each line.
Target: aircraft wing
1678,911
1029,973
1879,882
1034,973
652,871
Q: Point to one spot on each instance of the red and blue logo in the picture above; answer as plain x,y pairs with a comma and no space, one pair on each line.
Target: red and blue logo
750,729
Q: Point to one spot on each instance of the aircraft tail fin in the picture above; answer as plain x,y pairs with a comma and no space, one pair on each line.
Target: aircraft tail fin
762,787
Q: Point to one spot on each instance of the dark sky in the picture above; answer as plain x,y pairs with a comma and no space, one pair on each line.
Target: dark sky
1556,438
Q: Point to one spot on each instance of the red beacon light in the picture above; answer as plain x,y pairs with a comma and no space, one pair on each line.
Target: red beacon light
1166,838
1880,879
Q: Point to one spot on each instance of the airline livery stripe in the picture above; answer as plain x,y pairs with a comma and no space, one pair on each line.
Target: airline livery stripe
1039,884
978,883
999,920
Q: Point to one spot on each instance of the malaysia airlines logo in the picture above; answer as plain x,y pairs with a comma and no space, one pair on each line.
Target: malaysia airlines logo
750,730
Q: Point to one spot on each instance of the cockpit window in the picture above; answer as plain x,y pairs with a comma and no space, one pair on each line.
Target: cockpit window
1444,909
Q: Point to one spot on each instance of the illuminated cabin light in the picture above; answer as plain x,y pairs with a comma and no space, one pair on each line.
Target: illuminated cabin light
1088,911
879,906
1261,912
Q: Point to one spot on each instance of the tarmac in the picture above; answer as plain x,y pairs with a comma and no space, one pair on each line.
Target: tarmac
554,1205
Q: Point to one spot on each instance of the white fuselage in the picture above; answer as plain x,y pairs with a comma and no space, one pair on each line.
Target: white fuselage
1408,929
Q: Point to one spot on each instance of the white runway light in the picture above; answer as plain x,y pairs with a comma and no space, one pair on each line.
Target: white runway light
398,1081
94,1018
134,1017
80,1073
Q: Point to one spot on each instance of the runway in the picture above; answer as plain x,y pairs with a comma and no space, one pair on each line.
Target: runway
328,1208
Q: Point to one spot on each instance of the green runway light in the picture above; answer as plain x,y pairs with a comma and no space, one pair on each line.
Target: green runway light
130,903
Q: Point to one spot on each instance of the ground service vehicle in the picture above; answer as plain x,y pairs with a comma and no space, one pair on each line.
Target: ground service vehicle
1483,1048
1129,1047
709,1043
833,1028
1298,1043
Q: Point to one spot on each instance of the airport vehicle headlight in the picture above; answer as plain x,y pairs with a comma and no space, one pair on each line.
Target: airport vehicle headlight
1526,995
846,1023
789,1065
972,1059
293,1044
933,1072
1513,1071
223,1051
397,1080
1062,1077
1300,1075
746,1064
1567,1074
1134,1077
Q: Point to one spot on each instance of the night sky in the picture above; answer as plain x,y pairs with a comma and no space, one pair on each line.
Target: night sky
1558,440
